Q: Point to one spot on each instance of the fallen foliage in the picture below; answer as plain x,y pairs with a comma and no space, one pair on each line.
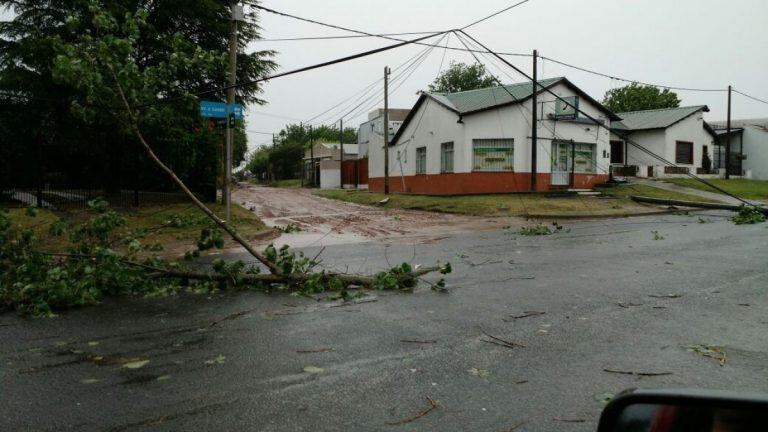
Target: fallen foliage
749,215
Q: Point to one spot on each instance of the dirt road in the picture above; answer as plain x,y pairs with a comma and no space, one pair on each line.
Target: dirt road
324,221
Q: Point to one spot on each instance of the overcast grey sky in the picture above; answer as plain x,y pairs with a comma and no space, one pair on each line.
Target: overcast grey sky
686,43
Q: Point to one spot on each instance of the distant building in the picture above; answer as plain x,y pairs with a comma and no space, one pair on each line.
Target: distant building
370,135
749,147
322,163
678,135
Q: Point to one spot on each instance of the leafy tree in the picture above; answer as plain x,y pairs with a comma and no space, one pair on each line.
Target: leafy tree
637,97
461,77
96,151
283,161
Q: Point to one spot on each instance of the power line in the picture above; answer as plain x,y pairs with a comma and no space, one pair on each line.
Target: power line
360,32
751,97
494,14
362,93
294,71
401,79
260,133
276,115
562,63
308,38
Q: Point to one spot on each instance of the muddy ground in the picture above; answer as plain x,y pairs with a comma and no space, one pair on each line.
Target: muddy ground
326,222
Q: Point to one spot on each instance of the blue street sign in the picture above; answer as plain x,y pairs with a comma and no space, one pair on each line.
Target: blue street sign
219,110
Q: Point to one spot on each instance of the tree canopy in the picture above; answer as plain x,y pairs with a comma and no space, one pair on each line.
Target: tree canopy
88,147
461,77
283,160
637,97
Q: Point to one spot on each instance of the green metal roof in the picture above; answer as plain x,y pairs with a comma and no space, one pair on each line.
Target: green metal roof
481,99
655,119
473,101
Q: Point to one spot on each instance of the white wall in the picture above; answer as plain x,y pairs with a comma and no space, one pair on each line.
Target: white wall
436,125
370,135
330,174
756,150
662,142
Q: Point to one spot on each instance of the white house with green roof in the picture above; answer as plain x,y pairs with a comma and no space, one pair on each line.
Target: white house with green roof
479,141
677,135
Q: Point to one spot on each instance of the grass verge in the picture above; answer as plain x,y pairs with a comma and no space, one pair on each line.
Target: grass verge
749,189
174,226
288,183
615,203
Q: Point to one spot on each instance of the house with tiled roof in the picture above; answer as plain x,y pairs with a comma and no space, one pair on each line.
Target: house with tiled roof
680,136
479,141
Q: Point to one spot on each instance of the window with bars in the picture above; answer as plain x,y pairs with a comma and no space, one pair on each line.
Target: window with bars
421,160
493,154
446,157
684,152
584,158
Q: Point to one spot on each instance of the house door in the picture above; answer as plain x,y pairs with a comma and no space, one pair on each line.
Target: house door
561,160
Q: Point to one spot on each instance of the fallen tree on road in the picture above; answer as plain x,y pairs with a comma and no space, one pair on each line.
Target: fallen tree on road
103,67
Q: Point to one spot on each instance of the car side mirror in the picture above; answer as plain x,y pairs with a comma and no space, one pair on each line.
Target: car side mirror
685,411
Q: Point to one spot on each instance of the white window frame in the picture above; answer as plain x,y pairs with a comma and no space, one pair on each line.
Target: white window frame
445,160
421,160
506,162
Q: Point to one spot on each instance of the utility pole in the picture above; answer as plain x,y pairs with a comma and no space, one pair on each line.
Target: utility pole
311,157
728,139
534,125
237,15
386,130
341,157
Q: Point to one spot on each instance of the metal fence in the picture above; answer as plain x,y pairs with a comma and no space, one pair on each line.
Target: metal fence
57,198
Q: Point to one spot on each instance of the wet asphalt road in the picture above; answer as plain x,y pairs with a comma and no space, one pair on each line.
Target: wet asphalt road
245,373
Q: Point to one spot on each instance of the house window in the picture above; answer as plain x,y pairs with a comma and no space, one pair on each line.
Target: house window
584,158
684,152
421,160
446,157
617,152
492,154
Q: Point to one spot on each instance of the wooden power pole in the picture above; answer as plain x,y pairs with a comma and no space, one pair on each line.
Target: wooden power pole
311,157
386,130
728,139
341,156
534,125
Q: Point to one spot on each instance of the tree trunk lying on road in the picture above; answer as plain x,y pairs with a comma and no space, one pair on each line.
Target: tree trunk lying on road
348,279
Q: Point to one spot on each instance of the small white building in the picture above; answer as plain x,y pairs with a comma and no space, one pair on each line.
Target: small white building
371,133
322,163
479,141
678,135
749,147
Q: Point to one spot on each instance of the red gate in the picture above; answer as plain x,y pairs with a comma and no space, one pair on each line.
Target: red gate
355,172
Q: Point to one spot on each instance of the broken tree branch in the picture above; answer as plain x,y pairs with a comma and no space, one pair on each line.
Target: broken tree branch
347,279
623,372
417,341
432,406
134,125
508,344
527,314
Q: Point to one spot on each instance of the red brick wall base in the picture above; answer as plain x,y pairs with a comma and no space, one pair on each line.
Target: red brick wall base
477,183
